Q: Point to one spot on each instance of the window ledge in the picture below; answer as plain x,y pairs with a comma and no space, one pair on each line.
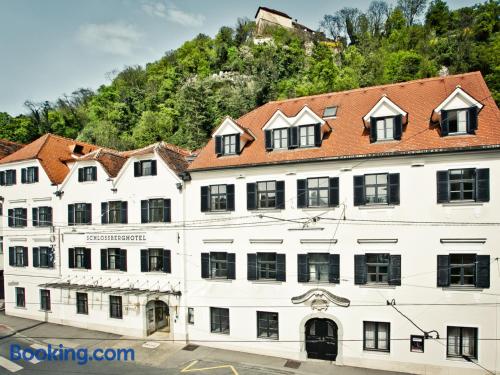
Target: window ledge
114,271
45,311
376,206
218,212
220,333
462,289
316,282
378,286
267,339
462,204
152,272
260,210
221,280
377,352
271,282
458,359
20,308
325,208
79,269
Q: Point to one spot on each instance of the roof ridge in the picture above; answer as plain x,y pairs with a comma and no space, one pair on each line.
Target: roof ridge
371,88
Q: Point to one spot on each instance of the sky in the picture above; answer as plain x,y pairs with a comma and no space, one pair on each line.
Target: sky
52,47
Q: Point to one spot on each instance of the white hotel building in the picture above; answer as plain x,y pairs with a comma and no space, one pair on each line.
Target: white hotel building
357,227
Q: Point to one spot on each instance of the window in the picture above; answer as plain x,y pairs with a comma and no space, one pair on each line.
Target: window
145,168
266,266
376,336
417,343
462,183
18,217
462,269
218,265
114,212
317,192
385,128
86,174
43,257
82,303
280,138
229,144
218,197
18,256
190,317
116,259
115,307
45,299
318,267
42,216
8,177
267,325
219,320
1,245
80,214
462,342
376,189
20,297
457,121
266,194
155,211
330,112
155,260
377,266
306,136
79,257
29,175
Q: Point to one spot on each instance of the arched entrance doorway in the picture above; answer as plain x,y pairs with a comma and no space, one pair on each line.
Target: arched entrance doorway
321,339
157,316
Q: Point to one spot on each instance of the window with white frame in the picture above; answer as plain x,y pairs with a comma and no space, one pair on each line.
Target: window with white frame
385,128
318,265
218,197
457,121
462,342
229,144
306,136
462,184
377,268
266,194
280,138
376,336
376,188
317,192
267,325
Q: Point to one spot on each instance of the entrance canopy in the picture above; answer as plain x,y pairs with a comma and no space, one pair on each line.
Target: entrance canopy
107,289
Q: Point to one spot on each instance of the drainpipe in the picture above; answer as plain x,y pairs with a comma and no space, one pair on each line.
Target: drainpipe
185,260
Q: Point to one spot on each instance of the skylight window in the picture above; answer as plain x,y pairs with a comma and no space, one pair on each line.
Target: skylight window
330,111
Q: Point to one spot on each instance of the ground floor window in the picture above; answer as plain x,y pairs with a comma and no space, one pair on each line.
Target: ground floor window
462,342
190,315
267,325
45,299
82,303
219,320
376,336
115,307
20,297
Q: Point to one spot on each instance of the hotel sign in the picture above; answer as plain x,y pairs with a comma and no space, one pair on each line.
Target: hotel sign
135,237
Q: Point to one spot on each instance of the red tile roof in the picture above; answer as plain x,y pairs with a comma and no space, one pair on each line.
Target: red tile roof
112,161
8,147
52,151
349,137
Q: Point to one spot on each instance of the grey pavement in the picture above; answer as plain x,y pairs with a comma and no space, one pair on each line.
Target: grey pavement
162,356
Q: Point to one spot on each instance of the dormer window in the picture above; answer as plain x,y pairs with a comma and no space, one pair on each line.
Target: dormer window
385,120
145,168
459,121
385,128
306,136
229,143
280,138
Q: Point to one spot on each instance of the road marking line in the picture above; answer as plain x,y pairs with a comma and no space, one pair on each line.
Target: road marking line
32,360
189,369
9,365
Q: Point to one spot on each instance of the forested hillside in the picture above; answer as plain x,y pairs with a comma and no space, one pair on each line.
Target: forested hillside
184,95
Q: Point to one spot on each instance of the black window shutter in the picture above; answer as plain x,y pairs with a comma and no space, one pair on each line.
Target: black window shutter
205,265
25,217
2,178
218,145
334,268
104,259
71,258
231,266
393,188
204,199
280,267
124,212
88,259
317,135
280,194
94,173
482,271
88,213
80,174
144,260
34,216
302,269
482,184
444,123
269,139
11,256
36,173
252,266
137,169
359,190
472,120
230,197
25,256
443,270
251,196
14,176
395,270
123,260
23,175
333,195
360,269
167,211
50,257
238,144
373,129
153,168
443,186
398,127
10,214
104,212
49,215
293,137
71,214
36,257
301,193
144,211
167,266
